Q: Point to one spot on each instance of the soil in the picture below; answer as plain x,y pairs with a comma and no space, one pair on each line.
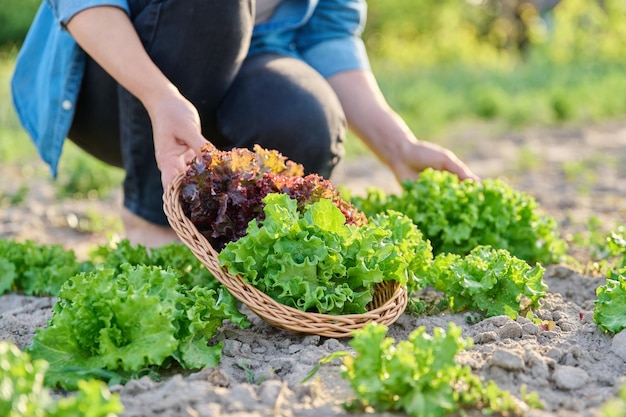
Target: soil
574,173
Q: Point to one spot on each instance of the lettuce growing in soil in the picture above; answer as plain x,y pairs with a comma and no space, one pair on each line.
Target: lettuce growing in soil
223,191
457,216
419,376
610,307
488,280
36,269
23,394
116,326
177,256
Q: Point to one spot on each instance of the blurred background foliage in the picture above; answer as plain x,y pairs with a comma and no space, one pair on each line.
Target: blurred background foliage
444,64
515,62
15,19
440,62
485,33
496,33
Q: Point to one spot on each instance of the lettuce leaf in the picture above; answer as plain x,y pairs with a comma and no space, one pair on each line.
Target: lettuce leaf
174,255
223,191
314,261
413,252
457,216
39,269
23,393
610,307
488,280
36,269
419,376
124,323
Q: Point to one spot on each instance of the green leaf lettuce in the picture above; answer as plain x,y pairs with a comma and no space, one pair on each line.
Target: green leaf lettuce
315,262
127,322
610,307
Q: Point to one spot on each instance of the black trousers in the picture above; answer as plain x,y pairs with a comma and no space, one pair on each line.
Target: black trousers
201,45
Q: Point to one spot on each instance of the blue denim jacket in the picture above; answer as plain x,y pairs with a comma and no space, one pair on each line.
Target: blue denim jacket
50,65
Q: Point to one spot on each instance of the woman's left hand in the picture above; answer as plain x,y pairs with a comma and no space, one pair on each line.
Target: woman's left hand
416,156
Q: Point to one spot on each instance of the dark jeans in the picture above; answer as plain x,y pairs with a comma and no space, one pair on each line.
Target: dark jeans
201,45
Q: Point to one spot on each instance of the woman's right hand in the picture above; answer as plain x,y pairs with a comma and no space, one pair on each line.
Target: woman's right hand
177,134
109,37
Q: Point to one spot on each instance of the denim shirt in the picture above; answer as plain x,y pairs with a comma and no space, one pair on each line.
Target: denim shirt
50,65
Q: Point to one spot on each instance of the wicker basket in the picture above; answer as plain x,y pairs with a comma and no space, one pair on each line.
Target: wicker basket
388,303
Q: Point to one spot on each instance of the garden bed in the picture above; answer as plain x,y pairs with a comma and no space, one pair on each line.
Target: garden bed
574,173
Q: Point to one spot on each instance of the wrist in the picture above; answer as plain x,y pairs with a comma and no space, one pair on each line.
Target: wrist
154,97
394,141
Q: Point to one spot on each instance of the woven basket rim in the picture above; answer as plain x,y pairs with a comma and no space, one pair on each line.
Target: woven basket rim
271,311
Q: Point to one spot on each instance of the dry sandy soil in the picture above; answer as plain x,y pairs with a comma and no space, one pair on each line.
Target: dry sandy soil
574,173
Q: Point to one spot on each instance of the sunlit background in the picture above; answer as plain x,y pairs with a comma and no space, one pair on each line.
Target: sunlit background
443,64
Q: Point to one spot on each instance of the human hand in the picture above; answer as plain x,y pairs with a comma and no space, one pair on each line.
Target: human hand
177,135
384,131
175,121
416,156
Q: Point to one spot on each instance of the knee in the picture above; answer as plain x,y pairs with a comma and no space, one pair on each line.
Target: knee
308,131
303,129
285,105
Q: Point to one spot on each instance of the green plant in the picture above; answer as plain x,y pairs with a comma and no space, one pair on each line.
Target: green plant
617,406
176,256
315,262
610,307
24,395
489,281
616,246
117,326
581,173
36,269
456,216
419,376
84,177
586,30
528,159
94,221
251,378
14,199
15,19
606,248
223,191
563,105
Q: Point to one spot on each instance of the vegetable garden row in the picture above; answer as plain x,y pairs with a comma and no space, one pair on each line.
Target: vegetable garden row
127,311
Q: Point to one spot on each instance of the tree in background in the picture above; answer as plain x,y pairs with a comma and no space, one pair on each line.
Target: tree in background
15,19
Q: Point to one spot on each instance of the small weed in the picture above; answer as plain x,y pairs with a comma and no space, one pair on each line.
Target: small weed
581,173
617,406
84,177
489,103
14,199
93,221
607,248
563,106
251,378
528,159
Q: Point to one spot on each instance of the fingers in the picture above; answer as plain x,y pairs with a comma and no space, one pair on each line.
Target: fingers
423,155
196,142
444,159
174,159
453,164
457,167
167,176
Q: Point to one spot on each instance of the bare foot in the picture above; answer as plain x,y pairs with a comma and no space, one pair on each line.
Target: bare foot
142,232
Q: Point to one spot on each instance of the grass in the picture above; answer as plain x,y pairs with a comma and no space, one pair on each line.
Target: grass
433,101
80,175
